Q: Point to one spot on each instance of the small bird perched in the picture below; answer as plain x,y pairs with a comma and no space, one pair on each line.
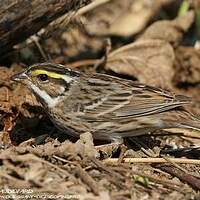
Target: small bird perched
108,107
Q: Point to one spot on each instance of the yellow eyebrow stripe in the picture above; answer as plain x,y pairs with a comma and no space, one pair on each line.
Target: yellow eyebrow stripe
50,74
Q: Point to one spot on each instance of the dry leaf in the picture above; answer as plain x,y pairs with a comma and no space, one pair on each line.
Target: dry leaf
170,31
187,66
150,61
117,17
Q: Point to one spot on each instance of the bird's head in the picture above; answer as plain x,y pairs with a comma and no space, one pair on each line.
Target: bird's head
49,82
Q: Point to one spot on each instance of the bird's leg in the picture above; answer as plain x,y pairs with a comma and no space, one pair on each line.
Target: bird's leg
143,147
123,149
107,150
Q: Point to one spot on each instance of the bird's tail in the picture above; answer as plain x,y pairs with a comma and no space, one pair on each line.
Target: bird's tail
195,125
180,119
187,120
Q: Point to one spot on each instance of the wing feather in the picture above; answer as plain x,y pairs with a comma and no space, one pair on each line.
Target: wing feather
118,98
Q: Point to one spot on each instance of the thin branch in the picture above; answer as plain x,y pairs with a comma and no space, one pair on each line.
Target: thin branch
82,63
153,160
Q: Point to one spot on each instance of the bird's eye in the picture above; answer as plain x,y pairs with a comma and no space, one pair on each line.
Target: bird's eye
43,77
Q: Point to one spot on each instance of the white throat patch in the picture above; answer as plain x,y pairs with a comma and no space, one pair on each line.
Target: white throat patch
50,101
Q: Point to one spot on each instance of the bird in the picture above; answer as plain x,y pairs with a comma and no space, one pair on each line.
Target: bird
108,107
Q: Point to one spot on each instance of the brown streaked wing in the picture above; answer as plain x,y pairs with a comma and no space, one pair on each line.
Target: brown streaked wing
119,98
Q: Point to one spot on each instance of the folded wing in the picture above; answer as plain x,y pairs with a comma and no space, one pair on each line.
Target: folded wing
114,98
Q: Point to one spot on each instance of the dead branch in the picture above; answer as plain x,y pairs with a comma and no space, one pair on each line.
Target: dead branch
20,19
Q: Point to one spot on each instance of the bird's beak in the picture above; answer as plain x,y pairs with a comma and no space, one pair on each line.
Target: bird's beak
19,77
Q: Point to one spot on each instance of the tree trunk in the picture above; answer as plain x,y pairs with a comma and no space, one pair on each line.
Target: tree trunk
21,18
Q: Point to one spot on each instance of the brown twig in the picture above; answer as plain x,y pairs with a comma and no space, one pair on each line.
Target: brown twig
101,166
19,183
114,177
30,156
152,160
82,63
188,178
87,179
167,183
